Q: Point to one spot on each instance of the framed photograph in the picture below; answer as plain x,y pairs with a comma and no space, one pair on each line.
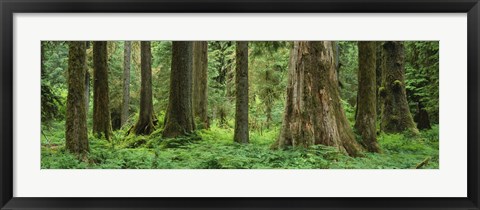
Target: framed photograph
206,104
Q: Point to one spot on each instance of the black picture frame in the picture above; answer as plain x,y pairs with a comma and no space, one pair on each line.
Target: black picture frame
9,7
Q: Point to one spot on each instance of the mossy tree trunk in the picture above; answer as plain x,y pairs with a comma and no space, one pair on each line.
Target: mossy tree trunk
76,113
179,118
101,112
241,103
366,116
396,116
87,88
200,82
145,124
127,51
378,76
313,112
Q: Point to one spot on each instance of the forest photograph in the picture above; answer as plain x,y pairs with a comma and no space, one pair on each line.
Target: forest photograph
239,104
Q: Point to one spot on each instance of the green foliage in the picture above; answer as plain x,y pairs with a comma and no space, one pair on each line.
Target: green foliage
423,76
221,71
349,112
53,84
214,149
161,62
268,70
347,72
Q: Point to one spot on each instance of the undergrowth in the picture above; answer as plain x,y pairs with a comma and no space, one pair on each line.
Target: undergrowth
215,149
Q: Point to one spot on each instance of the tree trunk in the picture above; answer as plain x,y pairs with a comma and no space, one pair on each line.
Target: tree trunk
200,80
179,118
87,89
366,118
76,115
422,118
101,111
145,124
87,80
396,116
126,82
313,112
378,72
241,83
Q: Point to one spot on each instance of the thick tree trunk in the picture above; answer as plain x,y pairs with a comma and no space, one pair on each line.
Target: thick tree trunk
396,116
76,115
366,118
101,111
313,112
126,82
145,124
241,83
179,118
200,82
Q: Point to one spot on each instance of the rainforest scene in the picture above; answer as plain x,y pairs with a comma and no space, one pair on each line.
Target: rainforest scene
239,104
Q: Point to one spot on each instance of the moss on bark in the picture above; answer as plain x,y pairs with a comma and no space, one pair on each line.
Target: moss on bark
396,116
366,116
313,112
76,116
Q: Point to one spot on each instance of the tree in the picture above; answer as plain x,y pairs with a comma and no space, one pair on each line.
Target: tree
378,71
146,120
200,82
87,81
76,116
396,116
87,89
313,112
101,112
241,83
366,116
126,82
179,118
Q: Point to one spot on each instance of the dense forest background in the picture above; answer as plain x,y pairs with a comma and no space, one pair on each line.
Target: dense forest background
238,104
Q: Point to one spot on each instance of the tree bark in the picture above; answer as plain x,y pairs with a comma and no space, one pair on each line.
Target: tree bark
200,82
101,112
379,70
179,118
76,115
145,124
396,116
422,118
366,119
313,112
126,82
87,81
241,83
87,89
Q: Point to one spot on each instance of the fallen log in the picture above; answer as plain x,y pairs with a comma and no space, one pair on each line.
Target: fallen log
423,163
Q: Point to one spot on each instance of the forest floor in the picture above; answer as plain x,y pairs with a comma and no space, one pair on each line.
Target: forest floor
215,149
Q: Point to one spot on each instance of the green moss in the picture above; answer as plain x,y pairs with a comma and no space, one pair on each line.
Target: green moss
382,92
397,85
